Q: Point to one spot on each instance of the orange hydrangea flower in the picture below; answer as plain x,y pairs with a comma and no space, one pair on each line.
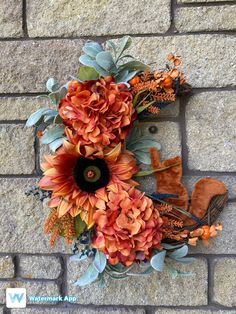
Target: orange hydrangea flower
98,113
129,228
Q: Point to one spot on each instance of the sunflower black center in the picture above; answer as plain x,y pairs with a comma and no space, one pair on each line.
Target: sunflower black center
91,174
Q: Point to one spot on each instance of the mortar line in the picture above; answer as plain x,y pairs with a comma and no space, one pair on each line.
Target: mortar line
15,122
184,149
211,270
192,172
147,308
6,310
23,94
64,288
20,176
16,261
195,90
205,4
173,4
101,38
67,255
37,156
24,18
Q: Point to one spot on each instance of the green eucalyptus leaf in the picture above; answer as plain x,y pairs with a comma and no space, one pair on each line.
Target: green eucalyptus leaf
185,260
100,261
63,91
86,60
145,272
101,283
181,252
80,225
36,117
171,246
52,134
135,100
48,119
56,144
111,45
142,157
141,108
90,275
50,115
87,73
51,85
105,60
92,48
125,76
134,65
144,145
55,97
126,56
78,257
126,41
173,272
58,119
158,260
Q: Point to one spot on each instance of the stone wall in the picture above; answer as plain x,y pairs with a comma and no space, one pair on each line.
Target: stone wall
43,38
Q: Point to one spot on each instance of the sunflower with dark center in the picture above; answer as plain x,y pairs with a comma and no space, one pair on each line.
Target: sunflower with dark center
80,181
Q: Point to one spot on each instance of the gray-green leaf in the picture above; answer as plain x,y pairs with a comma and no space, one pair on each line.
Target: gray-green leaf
181,252
52,134
100,261
86,60
56,144
104,59
51,85
90,275
92,48
126,41
158,260
36,117
87,73
134,65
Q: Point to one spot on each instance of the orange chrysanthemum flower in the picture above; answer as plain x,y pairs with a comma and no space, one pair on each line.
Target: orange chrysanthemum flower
80,182
128,228
99,112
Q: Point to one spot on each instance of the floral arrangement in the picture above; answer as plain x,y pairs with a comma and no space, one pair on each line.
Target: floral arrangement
99,153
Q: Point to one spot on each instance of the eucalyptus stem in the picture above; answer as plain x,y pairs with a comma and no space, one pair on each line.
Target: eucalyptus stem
148,172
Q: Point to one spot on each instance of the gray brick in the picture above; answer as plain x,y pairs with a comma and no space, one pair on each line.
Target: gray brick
225,242
65,18
208,60
16,149
159,288
6,267
211,131
20,108
22,220
27,65
168,135
11,18
32,289
229,181
225,282
42,267
206,18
